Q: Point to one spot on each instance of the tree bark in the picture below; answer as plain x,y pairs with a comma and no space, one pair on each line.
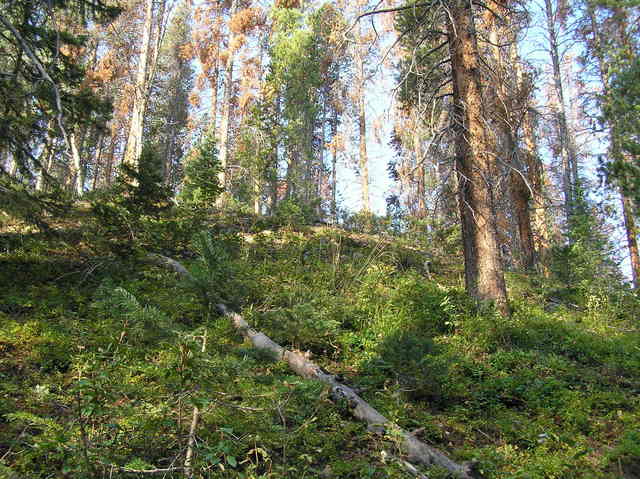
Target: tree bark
223,138
363,163
567,152
135,137
536,176
334,166
77,185
476,166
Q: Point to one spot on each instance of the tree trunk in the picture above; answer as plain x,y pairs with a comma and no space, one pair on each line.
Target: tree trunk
632,235
536,175
362,125
334,166
476,166
520,197
98,163
421,207
223,139
77,185
567,152
135,139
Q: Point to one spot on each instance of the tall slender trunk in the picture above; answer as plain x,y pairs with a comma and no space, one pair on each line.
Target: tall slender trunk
536,176
77,184
98,163
567,152
421,207
632,237
223,139
321,168
363,163
108,177
47,155
334,166
476,166
135,139
520,197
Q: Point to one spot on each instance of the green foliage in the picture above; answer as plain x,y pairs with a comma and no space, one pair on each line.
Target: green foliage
622,110
201,187
32,113
19,202
587,250
102,363
137,210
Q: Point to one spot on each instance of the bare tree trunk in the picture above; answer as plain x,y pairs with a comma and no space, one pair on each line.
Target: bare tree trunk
535,173
48,154
334,166
567,152
476,166
421,209
109,172
632,235
134,139
98,163
76,177
223,139
520,197
362,125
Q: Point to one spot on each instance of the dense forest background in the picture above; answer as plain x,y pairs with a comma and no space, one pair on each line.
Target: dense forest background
435,199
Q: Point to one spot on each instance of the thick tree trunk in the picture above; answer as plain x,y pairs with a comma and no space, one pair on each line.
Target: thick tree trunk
632,237
476,166
135,137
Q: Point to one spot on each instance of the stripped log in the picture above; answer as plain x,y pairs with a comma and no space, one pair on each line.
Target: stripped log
417,452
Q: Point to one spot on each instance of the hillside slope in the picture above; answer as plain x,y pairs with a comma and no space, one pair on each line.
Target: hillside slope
102,362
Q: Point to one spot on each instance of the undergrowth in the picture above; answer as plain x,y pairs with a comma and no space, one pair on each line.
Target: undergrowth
102,362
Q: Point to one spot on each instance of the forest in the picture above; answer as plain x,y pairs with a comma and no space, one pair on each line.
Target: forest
319,239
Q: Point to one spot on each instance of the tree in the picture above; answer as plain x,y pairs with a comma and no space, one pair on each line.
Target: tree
476,163
608,39
41,87
556,16
152,32
168,110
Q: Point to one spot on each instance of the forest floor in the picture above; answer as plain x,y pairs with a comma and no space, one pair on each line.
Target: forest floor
102,361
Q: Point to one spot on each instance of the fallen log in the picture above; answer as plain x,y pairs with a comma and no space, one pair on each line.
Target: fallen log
417,452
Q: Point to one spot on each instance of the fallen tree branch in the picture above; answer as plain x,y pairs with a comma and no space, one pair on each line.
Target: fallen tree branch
113,467
417,451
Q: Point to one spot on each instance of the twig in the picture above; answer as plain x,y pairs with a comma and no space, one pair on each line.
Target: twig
142,471
188,472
